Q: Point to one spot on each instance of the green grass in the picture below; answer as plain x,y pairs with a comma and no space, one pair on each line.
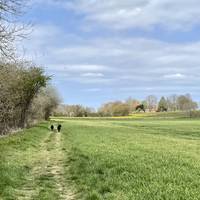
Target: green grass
114,159
135,159
31,165
139,116
14,159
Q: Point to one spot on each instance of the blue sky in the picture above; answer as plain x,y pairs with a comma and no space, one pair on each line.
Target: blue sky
103,50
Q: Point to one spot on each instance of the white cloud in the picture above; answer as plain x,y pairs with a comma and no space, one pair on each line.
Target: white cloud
115,61
171,14
174,76
89,74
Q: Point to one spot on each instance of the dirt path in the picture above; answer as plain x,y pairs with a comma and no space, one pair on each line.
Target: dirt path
47,173
58,170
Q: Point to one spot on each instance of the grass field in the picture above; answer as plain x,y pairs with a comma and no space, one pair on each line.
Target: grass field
116,159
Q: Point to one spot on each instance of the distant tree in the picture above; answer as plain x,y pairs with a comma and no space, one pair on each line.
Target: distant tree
79,111
162,105
132,103
151,101
44,103
106,109
89,112
185,103
144,102
116,108
120,109
52,100
74,111
172,103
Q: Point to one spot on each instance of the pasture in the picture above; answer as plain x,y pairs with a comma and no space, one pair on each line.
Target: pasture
115,159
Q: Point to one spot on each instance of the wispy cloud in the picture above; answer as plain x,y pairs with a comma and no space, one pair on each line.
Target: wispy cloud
144,14
136,61
179,14
89,74
174,76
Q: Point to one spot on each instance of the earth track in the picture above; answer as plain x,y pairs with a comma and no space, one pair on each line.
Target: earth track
48,166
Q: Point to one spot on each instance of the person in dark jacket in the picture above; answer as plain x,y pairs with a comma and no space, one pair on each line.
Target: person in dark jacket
59,127
52,127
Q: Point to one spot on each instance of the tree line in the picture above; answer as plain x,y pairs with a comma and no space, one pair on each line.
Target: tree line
25,93
151,103
74,111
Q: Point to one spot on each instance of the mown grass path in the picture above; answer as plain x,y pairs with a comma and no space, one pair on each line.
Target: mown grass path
48,172
41,167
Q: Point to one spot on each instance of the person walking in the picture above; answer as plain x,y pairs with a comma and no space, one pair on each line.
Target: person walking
59,128
52,127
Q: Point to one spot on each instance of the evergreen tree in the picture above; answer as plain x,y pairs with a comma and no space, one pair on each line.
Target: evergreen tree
162,105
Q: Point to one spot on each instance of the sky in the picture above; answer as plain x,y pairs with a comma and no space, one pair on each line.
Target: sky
104,50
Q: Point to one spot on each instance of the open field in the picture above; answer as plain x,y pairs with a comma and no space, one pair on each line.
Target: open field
141,116
103,159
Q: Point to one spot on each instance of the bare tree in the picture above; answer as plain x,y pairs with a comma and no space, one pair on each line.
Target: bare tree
185,103
132,103
172,102
10,30
44,104
151,101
